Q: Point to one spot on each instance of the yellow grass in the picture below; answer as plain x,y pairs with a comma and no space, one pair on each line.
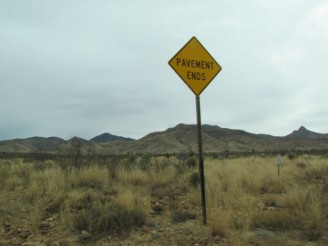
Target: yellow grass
134,176
92,177
238,190
133,199
241,194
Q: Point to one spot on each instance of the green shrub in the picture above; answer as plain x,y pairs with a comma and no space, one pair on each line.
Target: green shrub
191,162
182,216
82,220
292,156
275,220
108,218
143,162
120,219
4,174
194,179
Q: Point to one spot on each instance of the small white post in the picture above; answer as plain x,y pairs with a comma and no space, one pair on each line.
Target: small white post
278,162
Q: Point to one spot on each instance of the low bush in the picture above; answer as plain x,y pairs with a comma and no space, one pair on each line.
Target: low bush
83,220
89,177
220,221
242,195
182,216
275,220
109,218
4,174
292,156
119,219
191,162
194,179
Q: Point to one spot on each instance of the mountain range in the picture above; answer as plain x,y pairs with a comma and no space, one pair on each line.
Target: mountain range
179,139
107,137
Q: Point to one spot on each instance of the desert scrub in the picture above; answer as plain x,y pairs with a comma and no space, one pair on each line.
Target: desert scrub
92,176
4,173
182,215
251,175
133,199
97,212
119,219
54,180
292,155
194,179
35,217
220,221
308,196
191,162
156,175
276,220
15,174
23,171
308,203
242,194
132,176
107,218
164,176
231,190
35,190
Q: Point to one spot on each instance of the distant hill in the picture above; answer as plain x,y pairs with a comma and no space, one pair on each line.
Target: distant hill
183,138
107,137
179,139
77,139
303,133
33,144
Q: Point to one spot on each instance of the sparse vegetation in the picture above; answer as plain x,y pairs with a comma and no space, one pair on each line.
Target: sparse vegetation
182,216
194,179
292,155
139,193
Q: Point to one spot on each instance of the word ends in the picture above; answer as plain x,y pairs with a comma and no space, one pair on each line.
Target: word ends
195,66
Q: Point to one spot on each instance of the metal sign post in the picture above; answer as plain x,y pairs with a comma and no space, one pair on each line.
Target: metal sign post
197,68
201,160
278,162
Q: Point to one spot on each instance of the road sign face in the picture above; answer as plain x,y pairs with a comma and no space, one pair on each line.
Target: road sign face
278,159
195,66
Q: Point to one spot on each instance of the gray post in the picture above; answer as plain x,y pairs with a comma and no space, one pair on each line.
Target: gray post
278,162
201,161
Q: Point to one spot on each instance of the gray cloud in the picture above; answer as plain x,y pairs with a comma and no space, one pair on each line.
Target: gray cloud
82,68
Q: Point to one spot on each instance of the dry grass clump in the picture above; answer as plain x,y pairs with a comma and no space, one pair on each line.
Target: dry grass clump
242,196
180,215
15,173
226,197
307,202
165,175
4,172
239,191
134,199
116,218
221,221
81,198
155,172
96,213
132,176
90,177
275,220
104,208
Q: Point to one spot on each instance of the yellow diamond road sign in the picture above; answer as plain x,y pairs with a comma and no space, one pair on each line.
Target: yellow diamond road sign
195,66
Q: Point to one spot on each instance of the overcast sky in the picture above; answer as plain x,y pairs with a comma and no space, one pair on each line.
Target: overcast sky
81,68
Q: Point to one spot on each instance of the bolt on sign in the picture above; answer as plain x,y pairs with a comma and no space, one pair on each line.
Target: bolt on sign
195,66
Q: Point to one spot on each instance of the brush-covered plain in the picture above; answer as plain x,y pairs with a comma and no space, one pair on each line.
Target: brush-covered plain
144,200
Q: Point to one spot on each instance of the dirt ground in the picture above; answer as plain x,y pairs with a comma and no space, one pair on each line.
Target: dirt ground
159,230
22,223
